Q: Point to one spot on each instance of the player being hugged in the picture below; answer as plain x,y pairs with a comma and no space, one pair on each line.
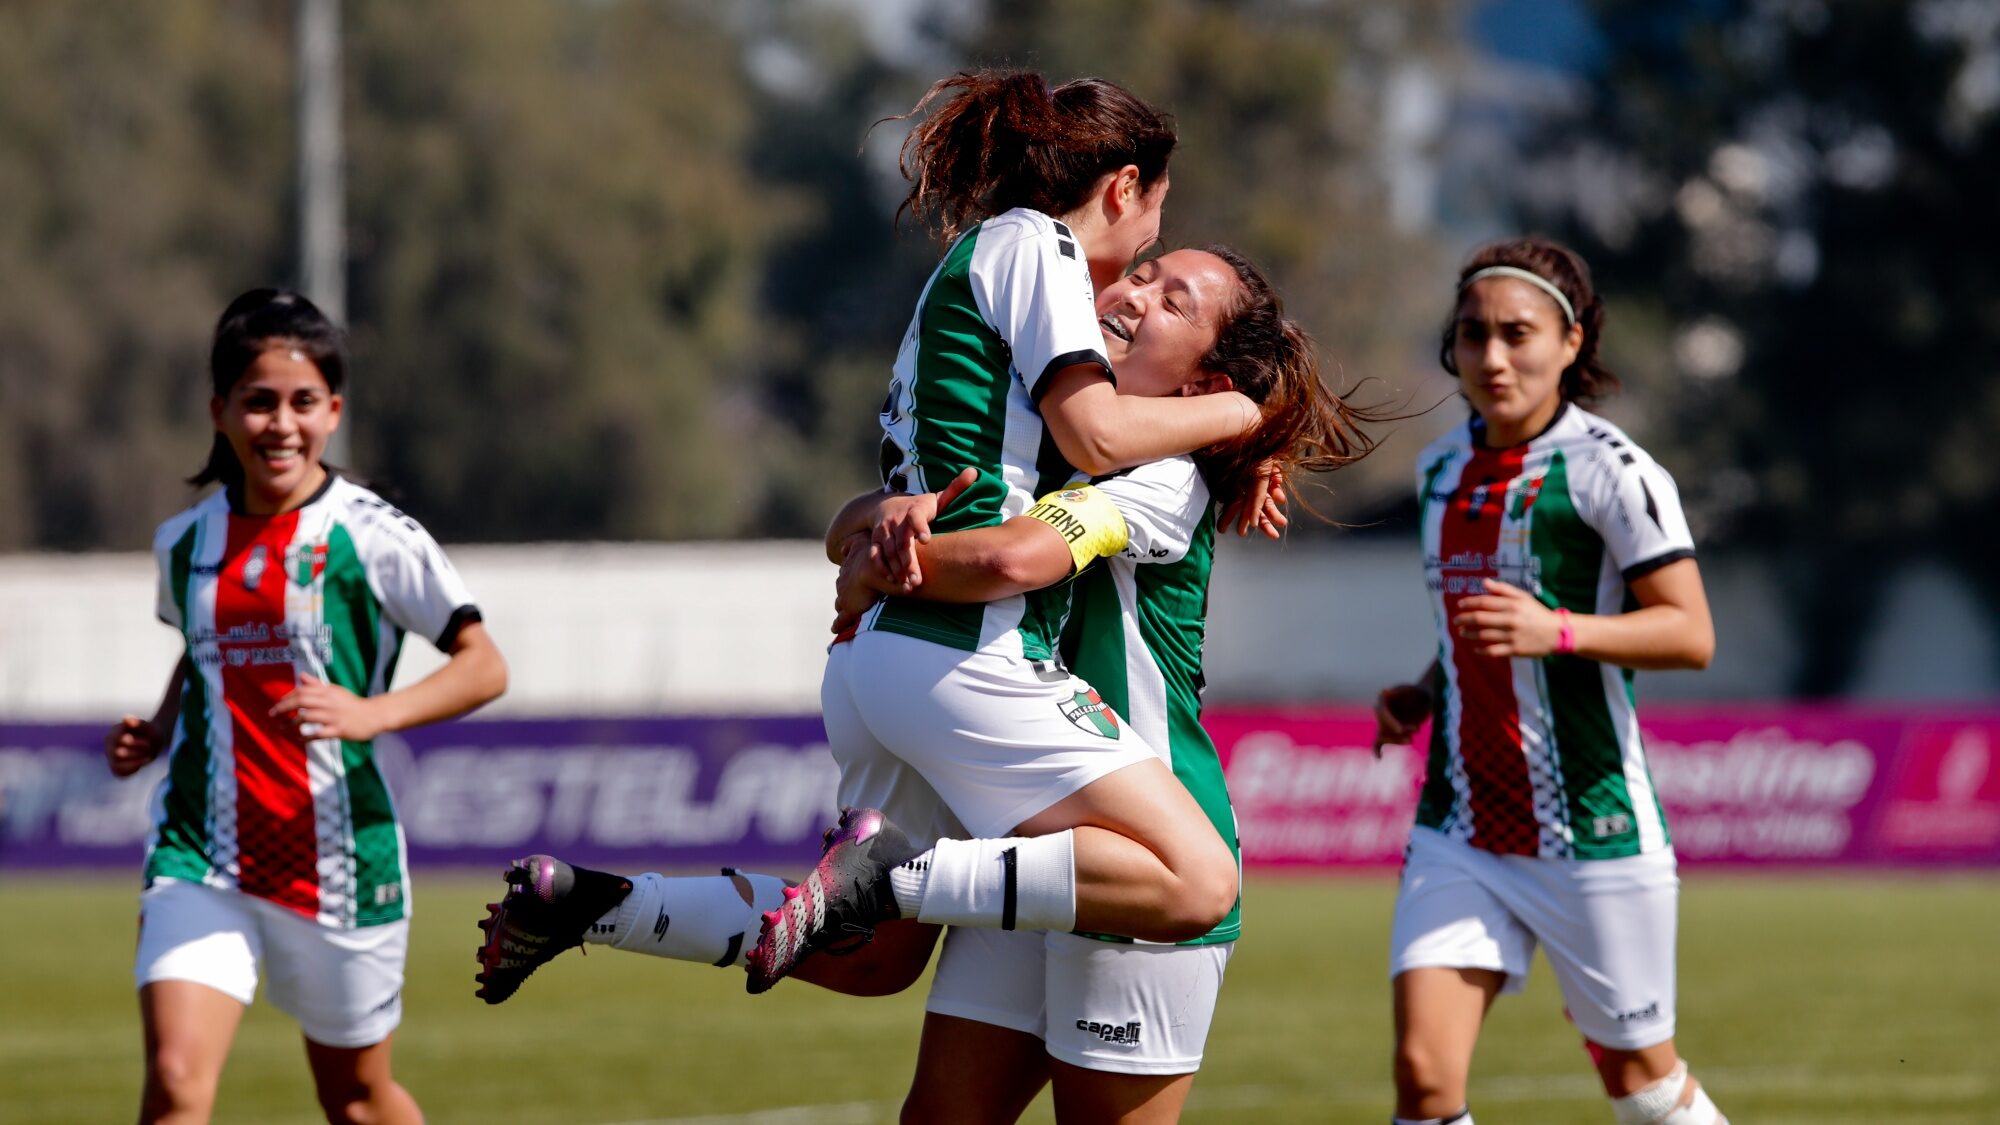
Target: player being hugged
1558,561
1041,195
276,851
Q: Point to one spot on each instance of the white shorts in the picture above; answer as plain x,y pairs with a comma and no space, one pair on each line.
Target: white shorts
344,987
1106,1006
995,738
1607,925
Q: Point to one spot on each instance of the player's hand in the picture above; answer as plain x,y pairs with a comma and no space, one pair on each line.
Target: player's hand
902,522
860,584
131,743
1399,711
1506,621
316,709
1263,507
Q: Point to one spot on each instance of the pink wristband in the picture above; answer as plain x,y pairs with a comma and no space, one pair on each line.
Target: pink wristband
1566,636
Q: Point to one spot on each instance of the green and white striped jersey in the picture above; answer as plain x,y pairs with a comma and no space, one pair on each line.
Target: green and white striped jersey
326,590
1010,305
1136,630
1542,756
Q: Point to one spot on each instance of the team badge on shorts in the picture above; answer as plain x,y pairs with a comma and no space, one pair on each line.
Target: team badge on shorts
1087,712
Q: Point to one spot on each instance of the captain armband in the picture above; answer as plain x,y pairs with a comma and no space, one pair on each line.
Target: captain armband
1087,520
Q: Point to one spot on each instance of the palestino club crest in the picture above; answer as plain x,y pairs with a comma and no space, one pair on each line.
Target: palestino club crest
305,563
1087,712
1525,495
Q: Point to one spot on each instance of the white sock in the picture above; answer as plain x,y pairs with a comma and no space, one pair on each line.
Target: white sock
712,919
1462,1117
1018,883
1659,1104
1699,1111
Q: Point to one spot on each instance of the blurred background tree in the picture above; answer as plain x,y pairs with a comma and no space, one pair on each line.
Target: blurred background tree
1784,202
628,270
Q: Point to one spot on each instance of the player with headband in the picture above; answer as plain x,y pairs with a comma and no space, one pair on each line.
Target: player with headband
1558,562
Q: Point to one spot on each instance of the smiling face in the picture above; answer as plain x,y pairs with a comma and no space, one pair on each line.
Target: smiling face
1511,345
277,419
1162,318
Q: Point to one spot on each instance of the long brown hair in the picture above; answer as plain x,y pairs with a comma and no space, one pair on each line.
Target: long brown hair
1586,379
993,140
1272,359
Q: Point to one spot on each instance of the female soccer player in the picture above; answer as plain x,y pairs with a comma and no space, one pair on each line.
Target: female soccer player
276,851
1001,996
1044,194
1558,561
1074,821
1119,1027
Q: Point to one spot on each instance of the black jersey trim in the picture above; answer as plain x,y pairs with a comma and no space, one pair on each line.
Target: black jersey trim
1477,427
1640,570
234,495
461,617
1071,359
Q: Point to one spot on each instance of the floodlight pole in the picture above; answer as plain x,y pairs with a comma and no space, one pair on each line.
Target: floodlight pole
322,249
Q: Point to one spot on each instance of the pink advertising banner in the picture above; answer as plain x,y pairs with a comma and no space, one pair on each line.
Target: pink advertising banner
1765,785
1792,785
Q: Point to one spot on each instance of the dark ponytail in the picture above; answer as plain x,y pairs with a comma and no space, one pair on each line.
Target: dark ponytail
1273,360
253,324
994,140
1586,379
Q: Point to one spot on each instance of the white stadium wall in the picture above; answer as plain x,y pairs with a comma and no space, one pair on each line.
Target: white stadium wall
631,629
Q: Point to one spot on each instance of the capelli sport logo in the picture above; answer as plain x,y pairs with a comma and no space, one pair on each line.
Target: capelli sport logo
1122,1034
1087,712
253,567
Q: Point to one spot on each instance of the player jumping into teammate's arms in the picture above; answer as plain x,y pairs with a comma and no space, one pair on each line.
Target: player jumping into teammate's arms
1558,561
1118,1026
1041,194
1001,994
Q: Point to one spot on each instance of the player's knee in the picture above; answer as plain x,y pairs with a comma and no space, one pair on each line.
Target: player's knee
1199,903
1216,895
1676,1099
177,1083
1207,893
1425,1076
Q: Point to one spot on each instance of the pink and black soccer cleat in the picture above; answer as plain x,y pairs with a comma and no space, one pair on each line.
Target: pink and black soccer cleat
546,910
843,899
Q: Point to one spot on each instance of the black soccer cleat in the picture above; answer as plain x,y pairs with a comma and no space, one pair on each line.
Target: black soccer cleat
546,910
839,903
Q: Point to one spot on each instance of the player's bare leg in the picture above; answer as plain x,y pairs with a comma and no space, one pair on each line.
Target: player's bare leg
1139,871
1122,1099
973,1073
188,1029
355,1087
1438,1015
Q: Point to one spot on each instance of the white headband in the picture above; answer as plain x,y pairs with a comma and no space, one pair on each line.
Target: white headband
1536,280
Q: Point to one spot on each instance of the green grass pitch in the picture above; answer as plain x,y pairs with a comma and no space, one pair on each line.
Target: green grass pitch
1803,999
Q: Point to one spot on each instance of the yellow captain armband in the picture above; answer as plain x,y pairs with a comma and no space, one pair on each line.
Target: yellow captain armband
1087,519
